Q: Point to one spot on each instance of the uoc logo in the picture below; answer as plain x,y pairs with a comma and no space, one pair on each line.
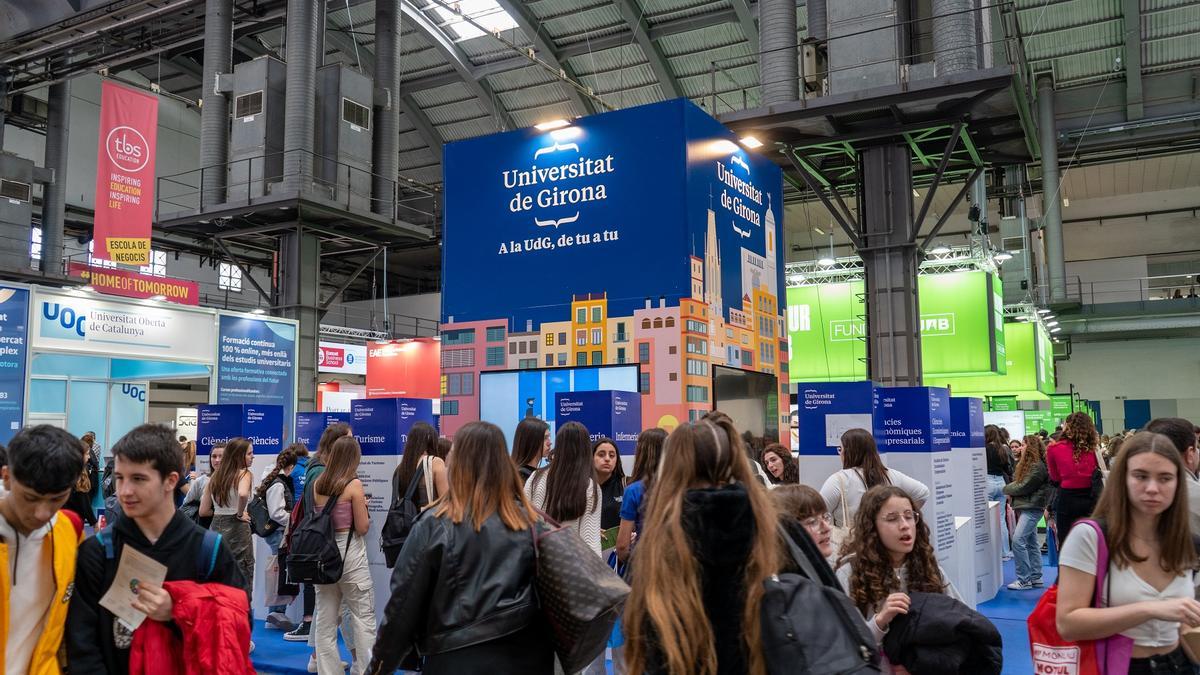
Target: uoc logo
63,322
134,392
127,149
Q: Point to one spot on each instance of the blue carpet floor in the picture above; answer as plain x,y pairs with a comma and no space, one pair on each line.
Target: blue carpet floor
1008,610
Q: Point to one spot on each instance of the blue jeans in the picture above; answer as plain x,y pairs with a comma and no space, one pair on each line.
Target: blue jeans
274,540
996,494
1027,553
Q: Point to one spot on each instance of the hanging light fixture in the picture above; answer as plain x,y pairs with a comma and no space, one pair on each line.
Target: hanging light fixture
828,261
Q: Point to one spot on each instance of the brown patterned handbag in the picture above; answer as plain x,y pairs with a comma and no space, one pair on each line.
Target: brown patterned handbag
580,596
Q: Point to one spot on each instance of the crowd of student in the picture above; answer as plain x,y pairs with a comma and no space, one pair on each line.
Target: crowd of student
732,566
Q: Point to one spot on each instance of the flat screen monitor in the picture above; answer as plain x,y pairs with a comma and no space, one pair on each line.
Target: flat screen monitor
749,397
508,396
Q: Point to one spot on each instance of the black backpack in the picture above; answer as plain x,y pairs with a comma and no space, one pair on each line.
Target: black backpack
314,556
400,518
260,516
809,627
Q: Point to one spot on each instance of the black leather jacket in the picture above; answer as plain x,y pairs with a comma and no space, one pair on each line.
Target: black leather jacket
453,587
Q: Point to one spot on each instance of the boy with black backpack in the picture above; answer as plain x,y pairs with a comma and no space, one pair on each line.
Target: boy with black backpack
147,464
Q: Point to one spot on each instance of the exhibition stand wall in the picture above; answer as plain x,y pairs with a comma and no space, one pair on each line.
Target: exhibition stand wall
663,189
616,415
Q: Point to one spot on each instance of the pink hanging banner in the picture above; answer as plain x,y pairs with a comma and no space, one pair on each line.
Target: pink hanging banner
125,175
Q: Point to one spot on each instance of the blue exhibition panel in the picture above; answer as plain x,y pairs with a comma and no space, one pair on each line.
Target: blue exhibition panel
381,425
613,414
966,422
310,426
827,409
912,419
262,425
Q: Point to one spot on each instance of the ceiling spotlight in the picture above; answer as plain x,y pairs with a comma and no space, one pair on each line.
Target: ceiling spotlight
1002,256
1052,324
157,298
551,125
1044,310
915,193
1066,202
1056,329
940,249
751,142
258,310
826,262
819,231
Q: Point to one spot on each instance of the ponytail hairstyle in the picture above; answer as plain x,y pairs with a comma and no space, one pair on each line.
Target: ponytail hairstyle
860,452
84,482
666,610
288,457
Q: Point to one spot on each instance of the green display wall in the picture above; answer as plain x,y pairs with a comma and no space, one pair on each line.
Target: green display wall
1024,378
962,329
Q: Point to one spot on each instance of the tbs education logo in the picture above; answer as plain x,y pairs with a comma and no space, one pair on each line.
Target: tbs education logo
127,149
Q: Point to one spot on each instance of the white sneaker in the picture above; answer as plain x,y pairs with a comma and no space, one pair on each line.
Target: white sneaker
312,664
1019,586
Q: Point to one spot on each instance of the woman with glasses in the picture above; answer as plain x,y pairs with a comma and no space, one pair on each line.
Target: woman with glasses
801,504
888,556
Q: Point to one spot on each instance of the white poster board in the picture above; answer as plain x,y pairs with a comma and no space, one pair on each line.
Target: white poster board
838,424
1012,421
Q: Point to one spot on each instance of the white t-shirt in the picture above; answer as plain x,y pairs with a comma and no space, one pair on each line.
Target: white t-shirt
1126,587
31,572
852,481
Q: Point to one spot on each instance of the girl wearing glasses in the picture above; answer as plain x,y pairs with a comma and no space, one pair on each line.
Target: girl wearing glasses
804,505
889,555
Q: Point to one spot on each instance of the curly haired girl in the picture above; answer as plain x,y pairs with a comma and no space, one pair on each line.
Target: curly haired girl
889,556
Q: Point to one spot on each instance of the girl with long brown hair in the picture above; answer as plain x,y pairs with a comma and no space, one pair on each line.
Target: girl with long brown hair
646,455
462,592
889,556
567,491
354,593
863,469
780,465
1071,461
531,444
709,542
225,498
1149,595
1029,492
420,460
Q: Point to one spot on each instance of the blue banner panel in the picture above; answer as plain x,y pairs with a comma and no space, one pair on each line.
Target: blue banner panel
14,342
826,410
263,427
310,426
216,425
966,422
256,363
530,205
626,421
381,425
613,414
912,419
